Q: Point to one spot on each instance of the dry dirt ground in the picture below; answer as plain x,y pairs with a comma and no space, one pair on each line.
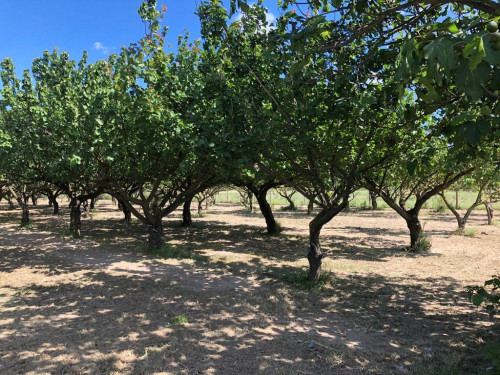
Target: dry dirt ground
98,305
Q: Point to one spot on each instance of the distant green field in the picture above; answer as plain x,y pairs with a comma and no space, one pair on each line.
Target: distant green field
360,199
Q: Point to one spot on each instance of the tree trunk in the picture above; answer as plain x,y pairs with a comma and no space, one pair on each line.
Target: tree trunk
489,212
291,204
267,212
92,203
200,207
315,255
155,238
34,199
25,218
310,207
187,220
373,199
127,215
55,205
415,230
50,201
11,204
347,207
75,223
461,224
250,201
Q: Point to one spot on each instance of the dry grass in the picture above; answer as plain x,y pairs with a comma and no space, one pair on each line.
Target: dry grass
98,305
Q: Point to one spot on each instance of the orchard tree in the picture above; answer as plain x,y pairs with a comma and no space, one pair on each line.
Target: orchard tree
485,181
409,182
330,116
69,128
447,52
18,166
167,132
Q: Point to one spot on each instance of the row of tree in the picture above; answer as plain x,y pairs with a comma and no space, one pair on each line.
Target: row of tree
397,97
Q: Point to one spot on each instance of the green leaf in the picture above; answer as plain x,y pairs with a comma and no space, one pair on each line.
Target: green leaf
475,51
412,166
477,300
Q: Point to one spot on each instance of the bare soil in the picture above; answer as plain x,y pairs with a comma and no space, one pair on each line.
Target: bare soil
100,305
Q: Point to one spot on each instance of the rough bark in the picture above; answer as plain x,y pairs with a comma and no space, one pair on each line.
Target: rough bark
25,218
55,205
373,200
315,255
155,238
489,212
75,222
250,201
187,220
200,207
267,212
291,203
127,215
415,228
310,207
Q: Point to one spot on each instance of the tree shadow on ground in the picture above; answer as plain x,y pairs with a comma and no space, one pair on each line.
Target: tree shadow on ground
115,317
94,305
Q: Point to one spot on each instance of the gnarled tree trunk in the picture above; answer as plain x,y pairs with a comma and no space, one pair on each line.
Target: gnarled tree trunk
187,220
200,207
127,215
373,200
489,212
315,254
415,228
155,231
25,218
75,222
55,205
267,212
310,207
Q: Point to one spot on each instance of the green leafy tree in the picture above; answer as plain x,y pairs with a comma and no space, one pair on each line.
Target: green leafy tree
485,181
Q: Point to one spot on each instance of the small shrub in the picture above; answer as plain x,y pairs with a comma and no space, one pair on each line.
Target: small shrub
300,279
492,352
180,319
423,244
470,232
487,295
279,229
288,208
439,207
27,227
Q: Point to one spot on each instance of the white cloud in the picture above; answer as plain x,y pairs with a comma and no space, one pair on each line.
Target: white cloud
270,19
101,47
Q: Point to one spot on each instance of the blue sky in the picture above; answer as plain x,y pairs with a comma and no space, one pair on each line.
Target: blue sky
101,27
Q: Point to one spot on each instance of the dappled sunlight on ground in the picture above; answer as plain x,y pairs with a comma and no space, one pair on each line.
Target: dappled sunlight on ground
101,305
